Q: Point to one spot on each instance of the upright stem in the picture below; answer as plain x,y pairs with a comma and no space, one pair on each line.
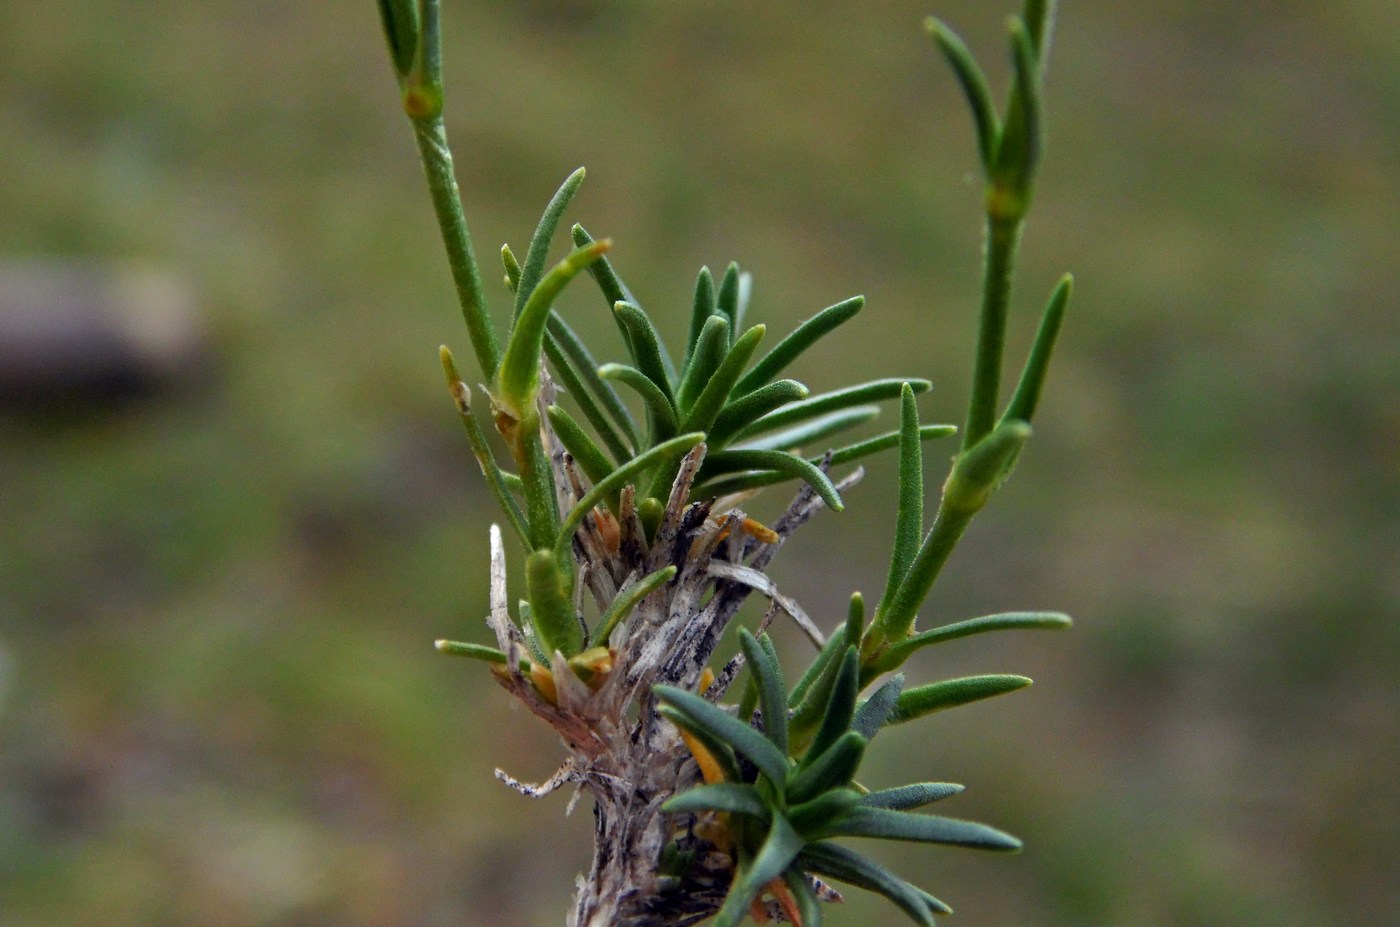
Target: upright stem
1003,233
431,136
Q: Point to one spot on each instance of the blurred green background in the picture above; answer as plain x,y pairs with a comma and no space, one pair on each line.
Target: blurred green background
219,704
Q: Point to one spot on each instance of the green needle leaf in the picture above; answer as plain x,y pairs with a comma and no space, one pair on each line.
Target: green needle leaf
883,824
801,338
1018,153
873,391
805,470
721,751
727,298
810,433
974,87
703,716
1027,395
588,455
499,481
627,599
829,803
701,310
906,797
611,285
661,413
401,29
978,471
716,389
875,711
835,767
909,516
705,357
586,369
518,380
743,411
552,612
837,862
533,269
733,797
772,692
840,706
471,651
809,908
835,645
1007,621
646,346
511,267
776,854
937,696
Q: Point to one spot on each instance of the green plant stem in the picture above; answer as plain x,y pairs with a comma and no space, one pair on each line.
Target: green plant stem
1003,233
895,619
431,135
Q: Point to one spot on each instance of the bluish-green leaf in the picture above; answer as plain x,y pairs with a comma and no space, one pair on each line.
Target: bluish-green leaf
909,514
532,271
1027,395
777,853
722,753
589,456
834,767
907,797
556,622
731,797
705,358
751,407
715,390
809,907
801,338
646,347
661,412
937,696
783,462
727,296
809,814
874,391
883,824
1006,621
744,739
875,711
809,434
974,87
471,651
578,372
702,307
848,866
840,706
772,692
626,600
835,645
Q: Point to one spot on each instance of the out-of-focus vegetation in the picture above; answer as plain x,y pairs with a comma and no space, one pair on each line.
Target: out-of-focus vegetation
219,703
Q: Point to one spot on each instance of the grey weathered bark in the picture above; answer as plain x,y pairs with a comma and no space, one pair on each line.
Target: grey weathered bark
621,753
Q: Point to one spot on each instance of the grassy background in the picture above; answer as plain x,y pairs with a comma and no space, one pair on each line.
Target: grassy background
218,700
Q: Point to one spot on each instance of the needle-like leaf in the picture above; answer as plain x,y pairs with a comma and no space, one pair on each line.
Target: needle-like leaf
772,693
936,696
805,470
777,853
907,797
733,797
704,716
883,824
532,271
873,391
801,338
627,599
837,862
1027,394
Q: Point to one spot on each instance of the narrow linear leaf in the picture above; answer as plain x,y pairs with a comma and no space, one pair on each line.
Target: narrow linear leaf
551,609
783,462
716,389
741,302
702,307
810,433
511,267
518,379
834,768
906,797
586,369
883,824
875,711
500,482
979,470
1007,621
732,797
401,30
661,412
842,455
704,716
855,617
974,87
909,515
840,706
471,651
751,407
873,391
646,346
718,752
532,271
704,360
821,805
777,853
772,692
937,696
809,907
1018,153
727,296
614,290
626,600
835,644
799,340
1027,395
588,455
850,867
